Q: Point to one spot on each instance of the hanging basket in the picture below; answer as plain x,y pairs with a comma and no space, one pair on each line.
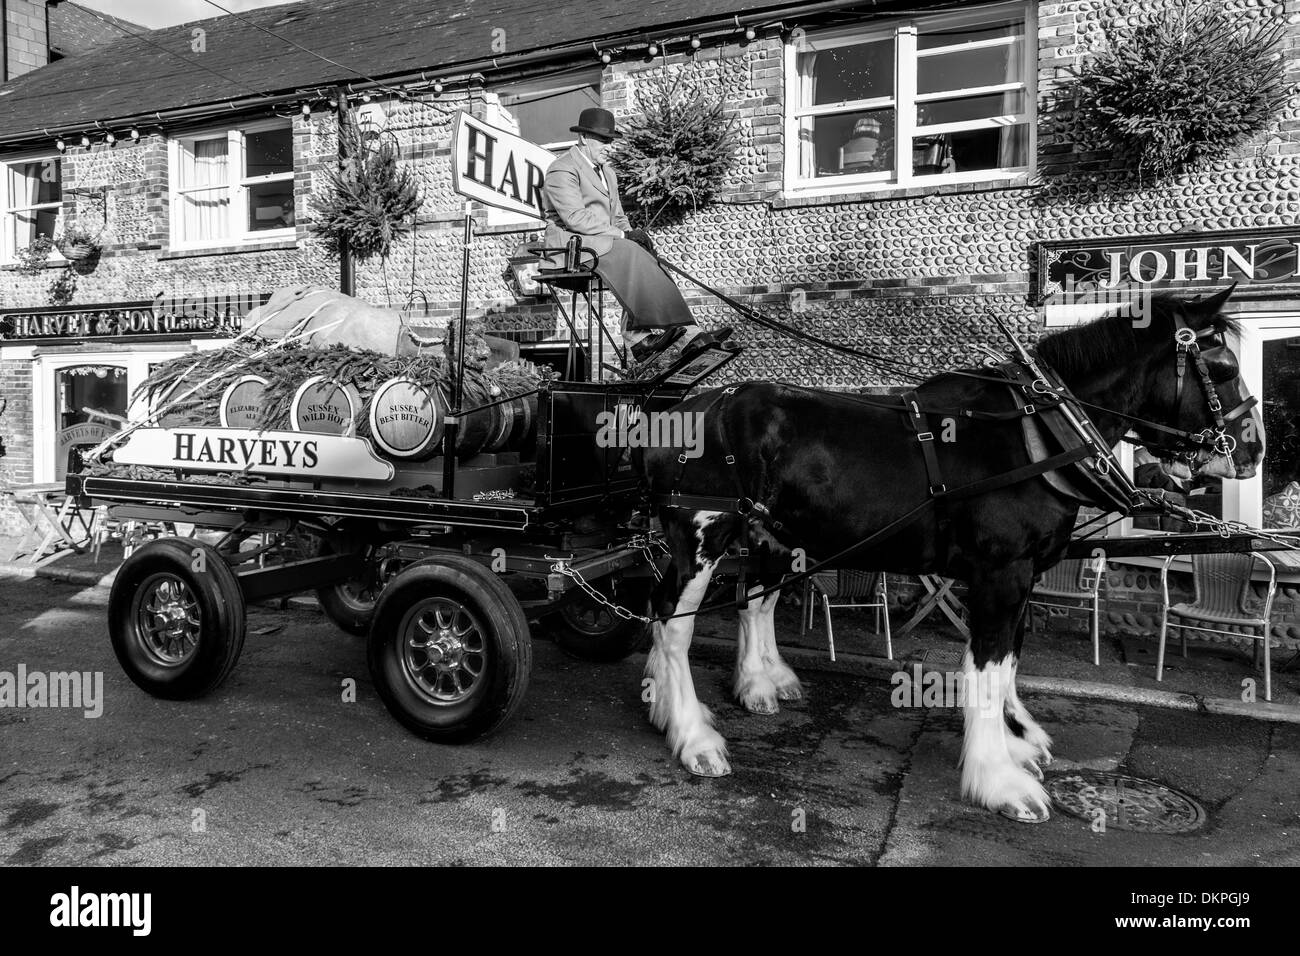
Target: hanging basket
76,251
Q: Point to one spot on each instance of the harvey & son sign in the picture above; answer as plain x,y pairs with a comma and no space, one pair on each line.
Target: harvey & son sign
166,317
1263,262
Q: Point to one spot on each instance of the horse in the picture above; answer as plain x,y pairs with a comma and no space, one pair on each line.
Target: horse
823,471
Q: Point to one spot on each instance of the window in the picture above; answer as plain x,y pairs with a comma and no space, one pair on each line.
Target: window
545,108
33,202
940,99
233,186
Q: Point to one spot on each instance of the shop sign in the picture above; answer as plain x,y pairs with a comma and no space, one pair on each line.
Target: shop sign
1258,261
178,317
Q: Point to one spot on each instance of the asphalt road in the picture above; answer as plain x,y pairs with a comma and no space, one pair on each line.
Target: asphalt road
275,767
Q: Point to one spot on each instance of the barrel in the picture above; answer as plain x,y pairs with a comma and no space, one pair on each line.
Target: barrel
407,419
242,401
325,407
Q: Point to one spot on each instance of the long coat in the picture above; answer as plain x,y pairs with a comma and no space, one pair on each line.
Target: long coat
578,202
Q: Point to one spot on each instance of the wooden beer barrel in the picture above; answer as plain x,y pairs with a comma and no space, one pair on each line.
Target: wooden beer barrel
325,407
241,402
407,419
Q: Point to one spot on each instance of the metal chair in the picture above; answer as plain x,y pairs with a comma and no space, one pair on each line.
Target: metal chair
1223,597
1076,579
851,585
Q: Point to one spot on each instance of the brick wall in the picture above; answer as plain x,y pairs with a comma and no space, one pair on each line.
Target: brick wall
28,43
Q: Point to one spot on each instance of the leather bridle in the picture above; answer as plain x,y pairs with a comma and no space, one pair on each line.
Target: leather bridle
1208,443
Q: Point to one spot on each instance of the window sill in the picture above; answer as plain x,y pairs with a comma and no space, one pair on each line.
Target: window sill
828,195
14,267
228,249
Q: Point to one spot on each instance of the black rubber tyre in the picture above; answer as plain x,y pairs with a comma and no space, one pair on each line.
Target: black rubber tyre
591,632
449,650
176,618
348,606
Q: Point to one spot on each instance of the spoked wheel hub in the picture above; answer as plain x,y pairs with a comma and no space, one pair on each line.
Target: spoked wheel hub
168,619
445,650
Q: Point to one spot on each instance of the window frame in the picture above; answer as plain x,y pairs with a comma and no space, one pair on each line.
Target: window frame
8,251
562,85
237,187
905,99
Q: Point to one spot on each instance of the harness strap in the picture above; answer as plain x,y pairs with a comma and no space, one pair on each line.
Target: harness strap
925,437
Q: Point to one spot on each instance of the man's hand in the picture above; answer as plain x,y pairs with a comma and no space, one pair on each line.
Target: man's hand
640,237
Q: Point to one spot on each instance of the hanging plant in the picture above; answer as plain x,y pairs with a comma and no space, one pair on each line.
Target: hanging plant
369,198
32,257
1184,88
76,243
676,156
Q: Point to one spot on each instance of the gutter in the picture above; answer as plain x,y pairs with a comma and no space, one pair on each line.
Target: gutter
500,67
4,40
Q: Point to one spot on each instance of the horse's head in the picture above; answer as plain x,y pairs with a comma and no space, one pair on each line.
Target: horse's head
1211,425
1172,378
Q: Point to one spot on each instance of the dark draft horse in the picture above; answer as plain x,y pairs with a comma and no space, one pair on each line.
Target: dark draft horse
831,471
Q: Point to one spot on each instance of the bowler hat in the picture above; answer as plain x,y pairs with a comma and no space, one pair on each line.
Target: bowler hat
596,121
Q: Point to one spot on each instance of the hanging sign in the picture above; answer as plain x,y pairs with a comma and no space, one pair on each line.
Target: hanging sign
497,167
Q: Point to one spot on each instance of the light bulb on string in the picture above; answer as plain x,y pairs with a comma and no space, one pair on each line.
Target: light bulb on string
110,139
85,141
653,49
135,135
60,145
695,42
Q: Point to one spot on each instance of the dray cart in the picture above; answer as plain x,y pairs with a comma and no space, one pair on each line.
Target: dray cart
444,588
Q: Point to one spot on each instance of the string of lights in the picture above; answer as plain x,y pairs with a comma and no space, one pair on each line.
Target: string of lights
644,48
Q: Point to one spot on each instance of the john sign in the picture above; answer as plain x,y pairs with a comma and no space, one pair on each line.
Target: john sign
498,168
1199,261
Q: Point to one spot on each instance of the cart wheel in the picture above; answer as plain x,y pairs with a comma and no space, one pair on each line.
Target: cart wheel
449,649
176,618
588,630
350,605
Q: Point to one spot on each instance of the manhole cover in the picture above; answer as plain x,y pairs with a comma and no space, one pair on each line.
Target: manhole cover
1129,803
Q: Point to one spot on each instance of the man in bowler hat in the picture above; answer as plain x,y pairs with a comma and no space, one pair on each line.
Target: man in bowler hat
581,199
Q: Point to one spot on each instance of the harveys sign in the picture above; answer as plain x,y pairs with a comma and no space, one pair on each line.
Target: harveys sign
498,168
278,453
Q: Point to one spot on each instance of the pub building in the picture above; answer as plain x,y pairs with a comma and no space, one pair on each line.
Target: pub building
902,170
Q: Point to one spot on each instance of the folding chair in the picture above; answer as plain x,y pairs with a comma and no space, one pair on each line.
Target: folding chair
1076,579
850,585
1222,596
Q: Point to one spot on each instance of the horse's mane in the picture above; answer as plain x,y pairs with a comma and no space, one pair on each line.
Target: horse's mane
1115,338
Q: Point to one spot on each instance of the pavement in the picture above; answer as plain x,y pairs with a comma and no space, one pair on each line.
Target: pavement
276,766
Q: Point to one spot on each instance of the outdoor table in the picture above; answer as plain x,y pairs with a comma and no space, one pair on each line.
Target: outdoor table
940,596
52,518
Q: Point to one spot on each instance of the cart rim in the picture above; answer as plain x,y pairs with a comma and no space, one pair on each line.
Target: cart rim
444,650
168,620
357,595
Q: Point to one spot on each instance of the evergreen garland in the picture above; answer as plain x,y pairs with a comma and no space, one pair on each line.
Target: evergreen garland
1183,89
368,199
676,156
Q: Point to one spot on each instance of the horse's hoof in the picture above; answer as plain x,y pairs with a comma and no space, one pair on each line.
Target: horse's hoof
794,692
707,764
759,705
1025,814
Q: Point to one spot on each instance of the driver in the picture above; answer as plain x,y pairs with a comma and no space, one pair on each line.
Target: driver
581,199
